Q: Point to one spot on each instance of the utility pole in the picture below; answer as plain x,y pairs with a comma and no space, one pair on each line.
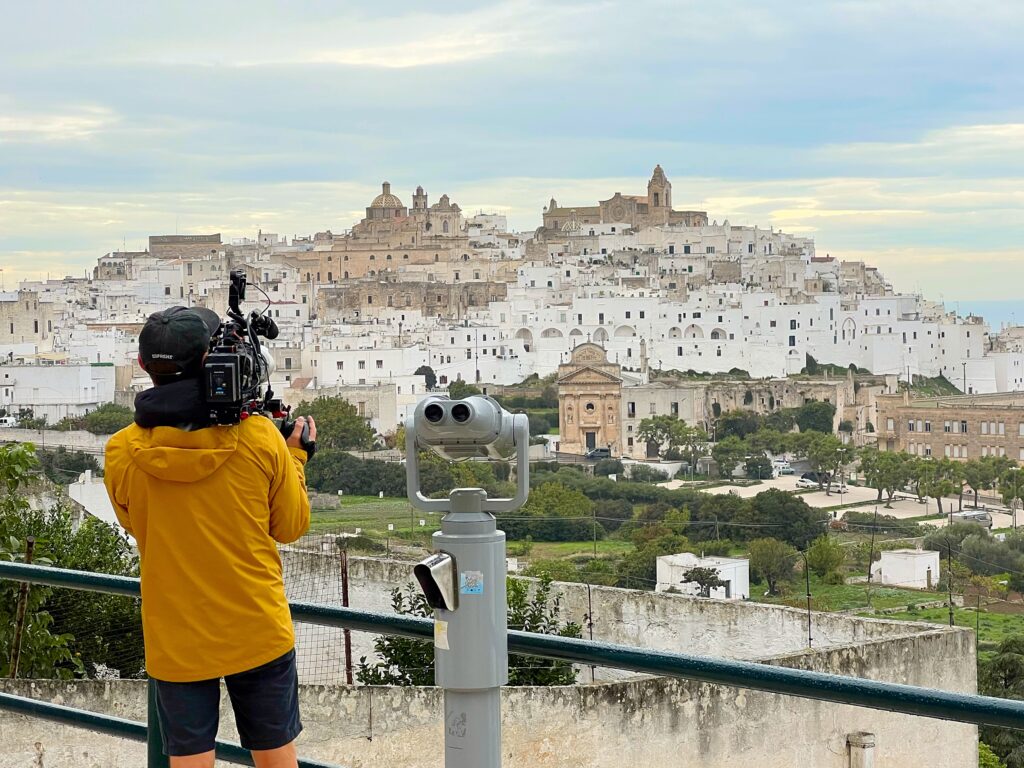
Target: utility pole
949,578
871,552
807,579
344,602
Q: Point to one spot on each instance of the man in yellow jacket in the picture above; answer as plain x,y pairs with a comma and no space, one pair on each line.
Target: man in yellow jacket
206,504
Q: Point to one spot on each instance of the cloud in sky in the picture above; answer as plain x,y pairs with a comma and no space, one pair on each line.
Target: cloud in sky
891,132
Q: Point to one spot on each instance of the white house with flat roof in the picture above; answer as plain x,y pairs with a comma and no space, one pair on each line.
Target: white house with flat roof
913,568
734,571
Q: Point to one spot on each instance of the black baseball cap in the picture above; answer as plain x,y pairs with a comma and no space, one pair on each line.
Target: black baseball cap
173,342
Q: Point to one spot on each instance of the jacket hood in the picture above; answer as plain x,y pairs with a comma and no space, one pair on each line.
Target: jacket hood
177,441
175,454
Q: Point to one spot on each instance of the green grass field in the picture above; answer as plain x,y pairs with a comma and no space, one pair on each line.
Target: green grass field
843,597
993,629
546,550
372,515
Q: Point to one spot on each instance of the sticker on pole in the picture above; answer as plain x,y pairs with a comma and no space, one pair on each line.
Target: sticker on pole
441,635
471,583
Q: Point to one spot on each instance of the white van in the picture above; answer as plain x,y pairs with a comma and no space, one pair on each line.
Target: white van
6,422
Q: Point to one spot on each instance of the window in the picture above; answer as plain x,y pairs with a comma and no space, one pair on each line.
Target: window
928,450
1002,427
679,352
920,426
709,249
947,427
653,409
792,325
380,364
631,410
641,314
674,409
686,249
984,427
890,425
792,341
627,314
750,247
927,426
771,323
362,365
963,427
948,452
629,442
696,315
911,426
590,407
340,364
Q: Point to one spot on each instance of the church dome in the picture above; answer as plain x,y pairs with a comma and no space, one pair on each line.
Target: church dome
385,199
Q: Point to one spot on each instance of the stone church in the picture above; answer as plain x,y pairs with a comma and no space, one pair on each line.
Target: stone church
635,211
589,401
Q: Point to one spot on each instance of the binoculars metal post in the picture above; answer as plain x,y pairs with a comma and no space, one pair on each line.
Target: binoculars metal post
464,578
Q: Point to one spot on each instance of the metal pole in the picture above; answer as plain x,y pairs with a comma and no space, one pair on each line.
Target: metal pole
19,621
344,602
871,552
471,642
807,577
155,757
949,578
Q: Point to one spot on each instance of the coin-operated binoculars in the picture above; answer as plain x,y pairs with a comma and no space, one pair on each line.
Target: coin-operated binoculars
464,579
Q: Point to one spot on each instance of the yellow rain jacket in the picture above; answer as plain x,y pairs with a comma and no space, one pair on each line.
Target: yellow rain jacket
206,508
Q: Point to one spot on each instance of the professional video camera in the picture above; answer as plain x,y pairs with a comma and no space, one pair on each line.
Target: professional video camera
237,367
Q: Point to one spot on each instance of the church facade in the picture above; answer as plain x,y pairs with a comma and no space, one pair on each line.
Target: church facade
589,401
634,211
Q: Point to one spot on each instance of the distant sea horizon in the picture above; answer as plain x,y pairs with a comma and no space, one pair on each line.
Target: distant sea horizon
996,313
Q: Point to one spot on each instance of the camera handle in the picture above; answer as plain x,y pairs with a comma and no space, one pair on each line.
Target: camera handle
309,446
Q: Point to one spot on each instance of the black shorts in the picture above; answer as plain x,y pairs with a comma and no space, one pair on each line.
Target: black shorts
265,701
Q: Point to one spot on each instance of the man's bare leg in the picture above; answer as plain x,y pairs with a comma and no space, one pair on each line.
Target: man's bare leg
282,757
201,760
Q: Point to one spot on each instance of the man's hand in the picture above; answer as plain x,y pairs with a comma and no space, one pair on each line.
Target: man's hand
295,439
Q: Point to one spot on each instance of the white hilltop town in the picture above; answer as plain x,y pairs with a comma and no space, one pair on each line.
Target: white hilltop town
666,295
629,309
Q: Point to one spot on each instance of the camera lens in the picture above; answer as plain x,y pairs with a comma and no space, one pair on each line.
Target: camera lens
461,412
433,413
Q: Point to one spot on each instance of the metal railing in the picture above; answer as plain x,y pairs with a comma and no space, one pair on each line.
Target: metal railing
891,697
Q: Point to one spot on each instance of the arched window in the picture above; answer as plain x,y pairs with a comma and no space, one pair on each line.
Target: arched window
372,257
444,226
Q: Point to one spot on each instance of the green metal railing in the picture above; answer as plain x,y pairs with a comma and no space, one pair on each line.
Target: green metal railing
891,697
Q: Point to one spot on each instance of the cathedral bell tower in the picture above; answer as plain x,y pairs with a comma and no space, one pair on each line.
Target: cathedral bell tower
659,197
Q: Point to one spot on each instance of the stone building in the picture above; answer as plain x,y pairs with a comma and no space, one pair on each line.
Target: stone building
589,401
372,297
652,209
958,427
184,246
24,318
391,238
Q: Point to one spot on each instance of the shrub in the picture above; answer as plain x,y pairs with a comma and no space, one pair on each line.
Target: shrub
606,467
642,473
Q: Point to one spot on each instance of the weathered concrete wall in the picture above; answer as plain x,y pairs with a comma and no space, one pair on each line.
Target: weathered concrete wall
662,621
642,721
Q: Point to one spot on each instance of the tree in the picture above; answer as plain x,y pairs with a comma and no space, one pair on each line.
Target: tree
336,470
338,423
692,442
728,454
429,377
67,633
1003,677
404,661
987,758
553,512
108,419
658,431
459,389
738,423
606,467
825,555
63,467
984,473
886,471
816,416
773,561
706,579
798,523
1011,488
758,467
824,453
768,440
934,478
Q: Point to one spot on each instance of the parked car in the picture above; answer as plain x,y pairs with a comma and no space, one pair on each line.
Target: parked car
783,468
599,453
979,517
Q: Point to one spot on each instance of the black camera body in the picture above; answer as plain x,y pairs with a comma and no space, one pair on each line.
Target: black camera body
237,369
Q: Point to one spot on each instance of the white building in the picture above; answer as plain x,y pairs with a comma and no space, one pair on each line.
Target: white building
734,571
912,568
56,391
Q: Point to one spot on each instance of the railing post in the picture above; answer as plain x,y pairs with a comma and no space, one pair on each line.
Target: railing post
154,736
19,621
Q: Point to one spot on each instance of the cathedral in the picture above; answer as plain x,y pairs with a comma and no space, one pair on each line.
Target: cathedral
634,211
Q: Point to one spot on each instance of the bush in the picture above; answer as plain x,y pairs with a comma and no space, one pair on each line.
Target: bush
606,467
825,555
835,579
333,470
642,473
